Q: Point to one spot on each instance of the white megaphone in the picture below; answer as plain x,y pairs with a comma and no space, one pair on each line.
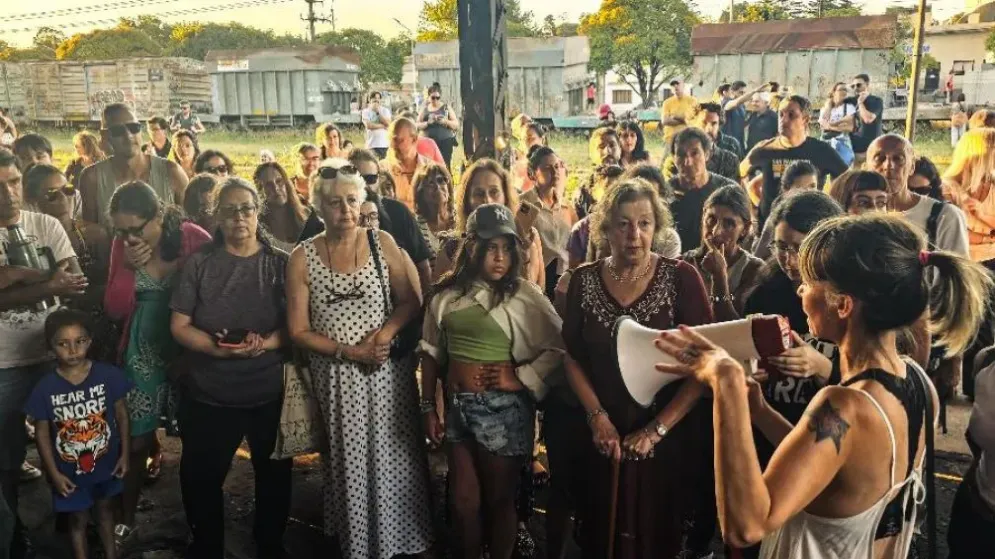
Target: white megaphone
756,337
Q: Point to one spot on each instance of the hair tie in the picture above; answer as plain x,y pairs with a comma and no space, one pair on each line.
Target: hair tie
924,257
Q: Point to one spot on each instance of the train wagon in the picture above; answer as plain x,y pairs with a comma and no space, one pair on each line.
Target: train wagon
61,92
285,86
546,77
807,55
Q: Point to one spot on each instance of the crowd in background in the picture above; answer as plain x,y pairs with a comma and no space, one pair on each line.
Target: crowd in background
476,314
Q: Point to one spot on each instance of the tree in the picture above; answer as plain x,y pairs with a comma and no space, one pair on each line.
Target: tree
194,40
645,42
438,20
829,8
104,44
761,10
558,27
382,60
48,39
154,28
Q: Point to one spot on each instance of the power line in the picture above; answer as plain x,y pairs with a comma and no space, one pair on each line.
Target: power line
124,4
311,19
177,13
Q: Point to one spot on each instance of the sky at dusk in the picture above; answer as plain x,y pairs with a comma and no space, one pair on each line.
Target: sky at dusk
376,15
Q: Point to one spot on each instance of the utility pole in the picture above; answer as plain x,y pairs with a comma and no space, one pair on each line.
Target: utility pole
311,18
913,81
732,7
483,60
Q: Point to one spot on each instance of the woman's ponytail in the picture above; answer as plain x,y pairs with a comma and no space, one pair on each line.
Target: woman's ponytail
958,299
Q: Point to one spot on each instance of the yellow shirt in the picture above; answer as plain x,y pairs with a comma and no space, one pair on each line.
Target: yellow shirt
677,107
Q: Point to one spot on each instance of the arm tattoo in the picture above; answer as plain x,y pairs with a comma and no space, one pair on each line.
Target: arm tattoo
826,423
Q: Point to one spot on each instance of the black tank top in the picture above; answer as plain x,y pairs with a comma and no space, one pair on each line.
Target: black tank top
913,400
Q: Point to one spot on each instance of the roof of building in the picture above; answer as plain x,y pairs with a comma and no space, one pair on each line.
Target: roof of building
859,32
960,28
307,54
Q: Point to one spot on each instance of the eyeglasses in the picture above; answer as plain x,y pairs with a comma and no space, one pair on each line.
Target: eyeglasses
784,249
371,179
219,170
371,219
118,130
230,212
125,232
329,173
354,294
435,97
68,191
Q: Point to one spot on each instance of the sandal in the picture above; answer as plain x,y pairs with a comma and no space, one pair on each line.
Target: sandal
153,467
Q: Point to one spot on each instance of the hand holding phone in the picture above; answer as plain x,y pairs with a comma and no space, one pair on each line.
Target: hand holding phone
232,339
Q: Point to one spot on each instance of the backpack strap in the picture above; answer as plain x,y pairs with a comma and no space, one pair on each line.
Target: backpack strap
933,221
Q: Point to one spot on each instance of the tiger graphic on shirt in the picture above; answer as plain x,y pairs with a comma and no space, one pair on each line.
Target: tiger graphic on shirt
82,441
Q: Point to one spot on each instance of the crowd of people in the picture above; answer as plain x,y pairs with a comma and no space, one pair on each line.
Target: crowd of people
177,291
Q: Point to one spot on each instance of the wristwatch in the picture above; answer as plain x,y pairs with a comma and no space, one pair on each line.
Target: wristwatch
660,428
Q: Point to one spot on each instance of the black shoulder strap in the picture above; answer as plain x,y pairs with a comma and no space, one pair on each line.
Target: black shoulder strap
933,221
930,481
371,236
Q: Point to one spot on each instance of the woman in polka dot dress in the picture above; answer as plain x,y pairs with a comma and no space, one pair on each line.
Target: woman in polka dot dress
340,288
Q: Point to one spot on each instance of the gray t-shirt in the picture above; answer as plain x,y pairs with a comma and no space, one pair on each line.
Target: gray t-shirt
219,291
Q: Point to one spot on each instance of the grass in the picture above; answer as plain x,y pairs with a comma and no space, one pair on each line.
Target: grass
243,147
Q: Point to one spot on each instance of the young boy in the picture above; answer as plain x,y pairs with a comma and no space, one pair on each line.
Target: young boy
81,412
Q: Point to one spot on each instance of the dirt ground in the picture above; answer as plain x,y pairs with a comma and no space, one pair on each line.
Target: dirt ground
162,532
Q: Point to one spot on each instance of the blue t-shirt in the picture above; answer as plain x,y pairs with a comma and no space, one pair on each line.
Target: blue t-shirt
85,436
735,124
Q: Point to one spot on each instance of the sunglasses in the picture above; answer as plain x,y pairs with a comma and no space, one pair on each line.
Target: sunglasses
216,170
435,97
329,173
245,211
68,191
118,130
125,232
371,179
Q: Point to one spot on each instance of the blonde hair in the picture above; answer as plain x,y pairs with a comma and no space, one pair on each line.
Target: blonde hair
876,259
981,118
91,145
973,161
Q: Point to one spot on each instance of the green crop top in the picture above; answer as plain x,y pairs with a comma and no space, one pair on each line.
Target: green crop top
473,336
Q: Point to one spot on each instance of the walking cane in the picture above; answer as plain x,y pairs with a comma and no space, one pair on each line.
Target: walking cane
613,510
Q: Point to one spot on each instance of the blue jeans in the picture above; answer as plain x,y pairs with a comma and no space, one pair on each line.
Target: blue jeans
501,422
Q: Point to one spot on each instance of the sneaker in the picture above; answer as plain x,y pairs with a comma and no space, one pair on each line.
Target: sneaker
29,472
525,546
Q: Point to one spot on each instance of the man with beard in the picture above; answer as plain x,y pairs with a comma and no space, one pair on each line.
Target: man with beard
123,133
693,184
27,297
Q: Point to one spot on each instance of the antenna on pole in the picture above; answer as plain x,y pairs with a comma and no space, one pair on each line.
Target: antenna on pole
311,19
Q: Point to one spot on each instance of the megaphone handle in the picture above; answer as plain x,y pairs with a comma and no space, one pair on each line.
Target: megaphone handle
613,509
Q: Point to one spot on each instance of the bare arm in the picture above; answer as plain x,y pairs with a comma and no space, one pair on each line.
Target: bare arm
67,281
866,116
198,126
177,182
123,425
193,338
732,104
424,275
298,316
451,119
43,440
581,385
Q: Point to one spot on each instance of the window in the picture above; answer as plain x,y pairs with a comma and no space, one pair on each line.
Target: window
961,66
622,97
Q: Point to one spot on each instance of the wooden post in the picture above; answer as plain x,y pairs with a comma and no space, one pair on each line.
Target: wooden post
913,81
483,60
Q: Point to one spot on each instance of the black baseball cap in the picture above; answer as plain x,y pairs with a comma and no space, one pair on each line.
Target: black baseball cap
491,220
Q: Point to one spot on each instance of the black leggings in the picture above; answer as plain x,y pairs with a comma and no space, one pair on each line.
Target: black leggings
211,435
972,522
446,149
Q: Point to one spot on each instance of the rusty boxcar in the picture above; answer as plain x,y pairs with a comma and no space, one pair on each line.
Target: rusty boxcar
808,55
76,91
285,86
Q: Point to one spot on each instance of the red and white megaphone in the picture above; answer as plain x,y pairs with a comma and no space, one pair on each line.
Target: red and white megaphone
756,337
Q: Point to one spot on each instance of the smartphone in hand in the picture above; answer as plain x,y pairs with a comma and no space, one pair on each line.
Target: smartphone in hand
233,338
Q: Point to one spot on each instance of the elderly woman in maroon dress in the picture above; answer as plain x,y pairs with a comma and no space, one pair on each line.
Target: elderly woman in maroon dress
665,495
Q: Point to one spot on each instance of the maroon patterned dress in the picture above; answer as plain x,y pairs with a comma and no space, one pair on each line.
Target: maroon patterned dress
666,504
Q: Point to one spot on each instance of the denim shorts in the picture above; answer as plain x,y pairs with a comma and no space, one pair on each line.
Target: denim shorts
16,385
501,422
84,497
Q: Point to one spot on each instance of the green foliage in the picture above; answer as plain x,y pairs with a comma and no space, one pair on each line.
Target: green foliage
761,10
382,60
105,44
553,27
438,21
48,39
646,42
990,42
194,40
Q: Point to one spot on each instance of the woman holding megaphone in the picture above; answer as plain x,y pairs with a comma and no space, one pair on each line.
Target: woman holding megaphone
863,279
646,473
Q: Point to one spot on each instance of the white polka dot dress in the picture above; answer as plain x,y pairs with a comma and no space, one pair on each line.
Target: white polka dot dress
376,480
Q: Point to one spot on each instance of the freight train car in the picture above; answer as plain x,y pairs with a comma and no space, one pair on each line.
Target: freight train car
285,86
60,92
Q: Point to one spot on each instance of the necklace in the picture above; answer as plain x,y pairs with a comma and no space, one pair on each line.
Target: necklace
636,277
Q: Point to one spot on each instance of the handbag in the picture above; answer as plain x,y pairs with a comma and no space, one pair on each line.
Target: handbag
302,429
409,335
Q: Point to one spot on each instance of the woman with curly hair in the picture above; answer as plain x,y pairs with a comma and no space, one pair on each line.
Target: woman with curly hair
88,152
283,214
185,151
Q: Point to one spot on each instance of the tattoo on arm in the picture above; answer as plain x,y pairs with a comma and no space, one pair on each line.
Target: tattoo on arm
827,423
